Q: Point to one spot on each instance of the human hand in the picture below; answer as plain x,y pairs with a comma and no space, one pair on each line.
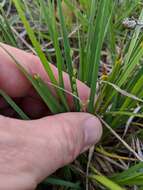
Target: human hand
32,150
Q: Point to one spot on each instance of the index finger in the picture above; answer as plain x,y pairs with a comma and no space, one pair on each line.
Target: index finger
14,82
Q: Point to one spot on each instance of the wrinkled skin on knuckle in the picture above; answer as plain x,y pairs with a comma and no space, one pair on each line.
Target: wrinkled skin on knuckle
71,141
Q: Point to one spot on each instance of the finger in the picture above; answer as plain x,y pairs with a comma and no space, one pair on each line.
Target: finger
35,149
16,85
65,137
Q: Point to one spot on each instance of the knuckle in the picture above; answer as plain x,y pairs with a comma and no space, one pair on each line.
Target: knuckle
71,144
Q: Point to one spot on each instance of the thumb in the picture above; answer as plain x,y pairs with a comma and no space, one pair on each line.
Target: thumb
65,136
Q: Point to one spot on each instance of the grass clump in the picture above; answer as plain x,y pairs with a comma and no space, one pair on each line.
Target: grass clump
95,48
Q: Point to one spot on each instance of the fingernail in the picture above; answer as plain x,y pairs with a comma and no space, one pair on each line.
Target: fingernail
92,131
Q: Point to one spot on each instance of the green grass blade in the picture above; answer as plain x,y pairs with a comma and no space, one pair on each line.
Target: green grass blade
125,113
52,103
49,17
106,182
68,56
91,29
15,107
132,176
133,42
129,69
6,29
34,41
62,183
102,24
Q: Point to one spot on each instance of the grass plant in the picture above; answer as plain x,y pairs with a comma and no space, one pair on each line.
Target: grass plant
90,43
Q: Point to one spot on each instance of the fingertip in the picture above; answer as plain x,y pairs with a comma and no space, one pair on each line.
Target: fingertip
86,127
92,131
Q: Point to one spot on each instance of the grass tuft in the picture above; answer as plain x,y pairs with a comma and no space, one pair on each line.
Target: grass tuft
87,40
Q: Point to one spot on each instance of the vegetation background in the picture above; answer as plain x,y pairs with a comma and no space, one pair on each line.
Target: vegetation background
92,42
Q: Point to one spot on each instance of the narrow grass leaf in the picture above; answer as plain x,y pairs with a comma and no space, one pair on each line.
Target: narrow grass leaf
115,113
102,22
6,29
133,42
49,17
123,92
15,107
132,176
106,182
34,41
68,56
63,183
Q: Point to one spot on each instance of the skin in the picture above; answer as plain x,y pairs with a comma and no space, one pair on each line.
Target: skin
60,138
